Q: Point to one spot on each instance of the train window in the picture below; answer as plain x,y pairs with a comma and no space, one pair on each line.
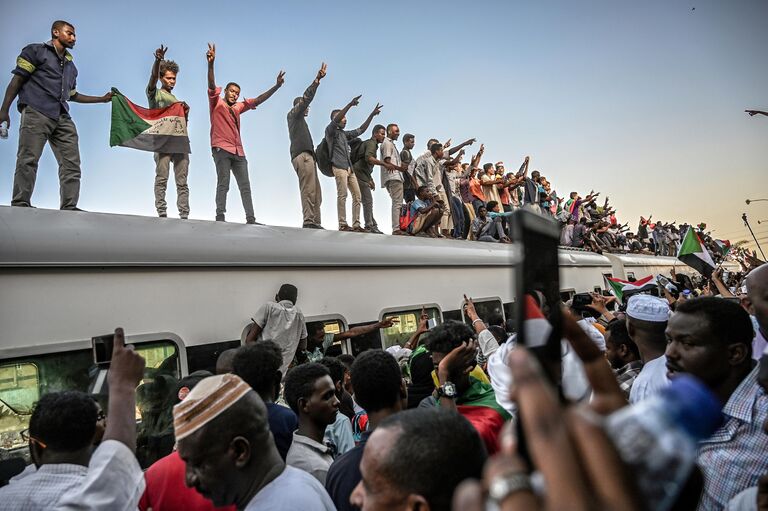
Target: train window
567,294
598,289
488,309
509,313
402,330
330,326
630,275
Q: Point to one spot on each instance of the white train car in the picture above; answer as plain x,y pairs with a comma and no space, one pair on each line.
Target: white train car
184,291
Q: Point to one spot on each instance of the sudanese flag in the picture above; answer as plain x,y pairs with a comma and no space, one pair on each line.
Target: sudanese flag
478,405
160,130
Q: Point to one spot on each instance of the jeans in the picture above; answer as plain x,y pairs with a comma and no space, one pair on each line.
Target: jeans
35,130
226,161
180,171
366,197
309,187
457,209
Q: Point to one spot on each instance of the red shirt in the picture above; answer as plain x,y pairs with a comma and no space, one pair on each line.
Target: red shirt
225,122
476,189
166,489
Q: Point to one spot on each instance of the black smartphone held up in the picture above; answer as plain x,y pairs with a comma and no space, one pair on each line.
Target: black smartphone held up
537,286
102,349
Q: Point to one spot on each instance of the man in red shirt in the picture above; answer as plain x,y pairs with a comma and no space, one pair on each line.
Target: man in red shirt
227,147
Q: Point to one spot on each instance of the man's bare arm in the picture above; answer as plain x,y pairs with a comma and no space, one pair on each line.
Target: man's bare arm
279,81
210,56
463,144
376,111
154,75
10,94
82,98
343,112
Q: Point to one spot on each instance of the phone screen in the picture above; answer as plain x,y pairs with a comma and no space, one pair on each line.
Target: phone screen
537,285
102,349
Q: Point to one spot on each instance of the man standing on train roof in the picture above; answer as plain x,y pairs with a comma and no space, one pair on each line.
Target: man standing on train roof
166,71
303,154
45,80
226,144
283,323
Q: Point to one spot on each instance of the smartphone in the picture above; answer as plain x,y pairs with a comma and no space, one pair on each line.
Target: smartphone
537,285
431,323
102,349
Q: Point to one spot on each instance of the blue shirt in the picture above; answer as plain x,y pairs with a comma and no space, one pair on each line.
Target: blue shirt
338,144
50,80
282,424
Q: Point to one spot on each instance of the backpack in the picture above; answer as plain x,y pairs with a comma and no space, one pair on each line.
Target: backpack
406,219
356,152
323,158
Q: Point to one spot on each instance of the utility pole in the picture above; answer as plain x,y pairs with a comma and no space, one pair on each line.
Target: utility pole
746,222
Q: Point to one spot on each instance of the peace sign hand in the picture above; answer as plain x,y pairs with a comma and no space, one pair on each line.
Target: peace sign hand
210,55
160,52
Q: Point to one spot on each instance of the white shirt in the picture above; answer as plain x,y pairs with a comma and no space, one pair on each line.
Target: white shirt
114,481
293,489
388,150
43,488
652,378
283,323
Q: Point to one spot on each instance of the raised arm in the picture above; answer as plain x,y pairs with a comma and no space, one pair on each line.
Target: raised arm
154,75
343,112
125,372
309,94
376,111
523,172
279,81
753,113
364,329
210,56
10,94
463,144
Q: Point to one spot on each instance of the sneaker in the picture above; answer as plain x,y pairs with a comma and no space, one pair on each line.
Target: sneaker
252,221
374,230
399,232
73,209
359,229
162,215
311,226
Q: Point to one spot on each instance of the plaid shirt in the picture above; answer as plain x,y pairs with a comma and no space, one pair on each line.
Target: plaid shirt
627,374
736,455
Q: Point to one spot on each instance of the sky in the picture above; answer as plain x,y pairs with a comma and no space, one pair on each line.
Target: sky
642,101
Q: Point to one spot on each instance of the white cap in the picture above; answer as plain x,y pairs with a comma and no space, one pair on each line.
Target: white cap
648,308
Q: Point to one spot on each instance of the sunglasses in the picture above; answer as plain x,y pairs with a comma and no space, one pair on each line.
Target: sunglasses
27,438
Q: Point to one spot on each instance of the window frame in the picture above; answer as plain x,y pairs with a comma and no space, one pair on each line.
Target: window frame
346,344
484,300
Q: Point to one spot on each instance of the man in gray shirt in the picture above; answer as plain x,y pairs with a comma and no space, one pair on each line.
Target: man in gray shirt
393,180
341,162
303,154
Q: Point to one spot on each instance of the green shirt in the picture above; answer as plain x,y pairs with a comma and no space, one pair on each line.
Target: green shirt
160,98
362,168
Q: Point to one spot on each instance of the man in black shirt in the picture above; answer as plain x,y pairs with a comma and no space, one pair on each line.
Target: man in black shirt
406,158
380,390
303,154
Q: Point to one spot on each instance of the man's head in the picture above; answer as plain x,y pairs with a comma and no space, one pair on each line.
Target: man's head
258,364
482,212
573,195
500,167
422,192
619,348
436,149
430,142
224,362
343,122
757,296
492,206
231,93
443,339
167,72
63,32
393,131
337,370
287,292
647,318
315,334
62,428
379,133
378,382
409,141
535,175
415,460
488,168
311,394
223,437
711,339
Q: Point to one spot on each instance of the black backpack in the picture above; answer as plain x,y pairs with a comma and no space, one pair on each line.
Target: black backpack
323,158
356,152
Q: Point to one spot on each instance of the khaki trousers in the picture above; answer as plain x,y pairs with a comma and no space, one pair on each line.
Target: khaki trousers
180,171
395,189
446,222
309,187
347,181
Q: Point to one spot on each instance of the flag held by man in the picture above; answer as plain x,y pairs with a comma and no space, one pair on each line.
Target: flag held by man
693,253
161,130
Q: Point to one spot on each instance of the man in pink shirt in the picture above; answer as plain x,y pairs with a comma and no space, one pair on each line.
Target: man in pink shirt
227,147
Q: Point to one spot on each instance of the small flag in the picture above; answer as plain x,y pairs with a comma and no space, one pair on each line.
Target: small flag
693,253
724,246
161,130
618,287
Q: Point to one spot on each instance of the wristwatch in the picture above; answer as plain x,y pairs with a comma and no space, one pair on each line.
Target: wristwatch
447,389
504,485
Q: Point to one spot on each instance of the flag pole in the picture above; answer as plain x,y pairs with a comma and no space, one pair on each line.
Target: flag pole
746,222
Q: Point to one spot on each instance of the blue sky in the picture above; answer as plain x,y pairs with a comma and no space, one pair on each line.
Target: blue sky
643,101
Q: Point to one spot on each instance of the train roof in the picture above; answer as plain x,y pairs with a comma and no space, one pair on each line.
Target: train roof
32,237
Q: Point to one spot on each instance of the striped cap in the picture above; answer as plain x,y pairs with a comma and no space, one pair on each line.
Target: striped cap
211,397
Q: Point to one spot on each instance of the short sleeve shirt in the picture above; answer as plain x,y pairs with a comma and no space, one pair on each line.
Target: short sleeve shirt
225,122
363,169
293,489
160,98
283,323
50,79
388,150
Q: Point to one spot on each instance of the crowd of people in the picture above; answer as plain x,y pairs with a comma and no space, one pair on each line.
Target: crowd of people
652,401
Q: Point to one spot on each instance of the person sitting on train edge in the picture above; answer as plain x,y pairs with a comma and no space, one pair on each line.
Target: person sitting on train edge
259,366
283,322
454,348
426,213
340,432
61,436
318,341
311,394
224,439
415,459
381,392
